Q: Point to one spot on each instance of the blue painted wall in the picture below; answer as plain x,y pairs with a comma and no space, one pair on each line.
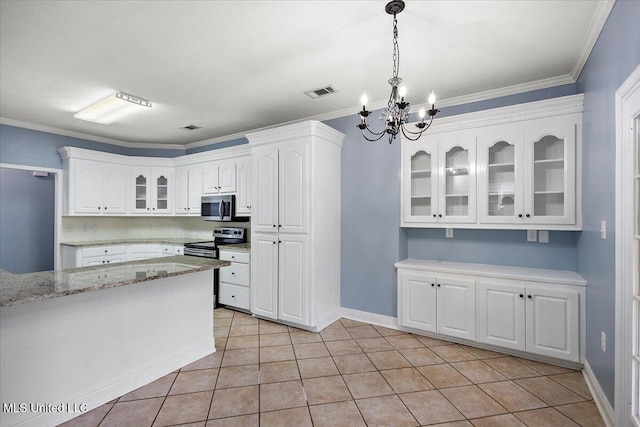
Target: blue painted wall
615,55
26,221
28,147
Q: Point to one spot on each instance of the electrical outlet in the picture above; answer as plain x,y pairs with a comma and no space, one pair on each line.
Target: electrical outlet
603,341
543,236
603,230
449,233
532,235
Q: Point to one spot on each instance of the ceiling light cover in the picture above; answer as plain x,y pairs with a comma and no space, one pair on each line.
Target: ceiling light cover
113,108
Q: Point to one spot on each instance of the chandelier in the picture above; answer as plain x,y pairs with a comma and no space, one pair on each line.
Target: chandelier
396,114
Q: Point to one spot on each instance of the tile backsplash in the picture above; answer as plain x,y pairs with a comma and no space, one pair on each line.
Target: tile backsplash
90,228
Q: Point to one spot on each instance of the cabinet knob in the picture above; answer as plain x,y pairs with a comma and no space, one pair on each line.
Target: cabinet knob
233,257
279,241
233,273
105,208
434,215
105,251
433,284
279,226
528,216
521,296
99,207
529,296
274,243
147,208
154,209
233,296
438,284
440,215
519,215
274,225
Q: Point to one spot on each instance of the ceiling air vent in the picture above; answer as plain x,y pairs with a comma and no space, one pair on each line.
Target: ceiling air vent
323,91
191,127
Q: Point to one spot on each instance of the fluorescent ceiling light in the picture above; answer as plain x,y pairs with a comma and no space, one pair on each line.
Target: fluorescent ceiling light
113,108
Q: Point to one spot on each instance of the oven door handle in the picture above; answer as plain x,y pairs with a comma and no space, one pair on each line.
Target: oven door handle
221,209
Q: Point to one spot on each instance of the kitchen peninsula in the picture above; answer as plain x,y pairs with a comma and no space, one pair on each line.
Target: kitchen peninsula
78,338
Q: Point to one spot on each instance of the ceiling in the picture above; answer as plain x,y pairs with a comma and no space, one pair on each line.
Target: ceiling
232,67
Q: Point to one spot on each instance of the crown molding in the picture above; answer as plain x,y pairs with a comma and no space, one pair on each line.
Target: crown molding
528,111
88,137
297,130
603,9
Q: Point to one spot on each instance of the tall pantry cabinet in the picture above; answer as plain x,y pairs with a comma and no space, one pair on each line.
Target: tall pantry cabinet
295,224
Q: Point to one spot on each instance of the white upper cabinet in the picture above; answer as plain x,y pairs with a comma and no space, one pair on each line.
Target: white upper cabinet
96,188
188,190
518,174
151,191
293,192
264,215
219,177
243,182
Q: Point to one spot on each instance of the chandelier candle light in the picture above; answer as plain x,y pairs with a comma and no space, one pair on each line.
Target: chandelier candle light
396,114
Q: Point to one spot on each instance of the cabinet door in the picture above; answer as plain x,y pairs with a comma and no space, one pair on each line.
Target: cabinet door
549,180
88,187
195,190
293,283
420,201
227,176
264,275
500,177
181,198
115,189
140,181
552,321
243,194
210,178
264,214
417,301
457,179
456,307
501,315
161,191
293,192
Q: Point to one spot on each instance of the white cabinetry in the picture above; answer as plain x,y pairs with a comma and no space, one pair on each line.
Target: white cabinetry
235,279
219,177
289,281
492,169
527,174
243,181
142,251
73,257
94,187
188,190
535,311
439,304
152,189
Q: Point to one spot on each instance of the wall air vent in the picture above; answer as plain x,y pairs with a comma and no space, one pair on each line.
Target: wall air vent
191,127
323,91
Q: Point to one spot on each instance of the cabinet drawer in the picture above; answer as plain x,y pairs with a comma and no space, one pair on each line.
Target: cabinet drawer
236,296
236,273
104,250
235,256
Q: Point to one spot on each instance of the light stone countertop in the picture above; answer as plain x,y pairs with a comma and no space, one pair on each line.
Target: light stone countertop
166,241
241,247
24,288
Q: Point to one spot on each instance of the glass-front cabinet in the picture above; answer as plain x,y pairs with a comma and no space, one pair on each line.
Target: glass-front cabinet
439,182
457,187
422,189
514,167
152,191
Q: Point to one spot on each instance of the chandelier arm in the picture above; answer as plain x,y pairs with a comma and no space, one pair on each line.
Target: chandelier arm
380,135
372,132
427,126
404,132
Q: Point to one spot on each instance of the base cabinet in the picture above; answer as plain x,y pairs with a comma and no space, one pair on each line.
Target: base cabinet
235,289
530,310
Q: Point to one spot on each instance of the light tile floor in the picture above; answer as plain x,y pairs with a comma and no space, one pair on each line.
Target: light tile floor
350,374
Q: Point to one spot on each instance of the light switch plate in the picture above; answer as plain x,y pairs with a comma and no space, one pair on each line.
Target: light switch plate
543,236
532,235
448,233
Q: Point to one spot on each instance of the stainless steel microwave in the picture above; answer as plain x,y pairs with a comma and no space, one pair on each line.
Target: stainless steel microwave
218,208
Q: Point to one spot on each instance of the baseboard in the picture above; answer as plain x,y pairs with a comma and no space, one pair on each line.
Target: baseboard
106,392
330,318
601,401
366,317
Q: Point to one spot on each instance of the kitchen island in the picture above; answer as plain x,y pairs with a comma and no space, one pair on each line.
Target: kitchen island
72,340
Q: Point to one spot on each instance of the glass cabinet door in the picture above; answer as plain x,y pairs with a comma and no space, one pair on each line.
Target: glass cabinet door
458,183
500,183
550,181
420,182
141,192
161,191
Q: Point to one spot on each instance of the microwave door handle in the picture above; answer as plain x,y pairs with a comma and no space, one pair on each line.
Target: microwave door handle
221,209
